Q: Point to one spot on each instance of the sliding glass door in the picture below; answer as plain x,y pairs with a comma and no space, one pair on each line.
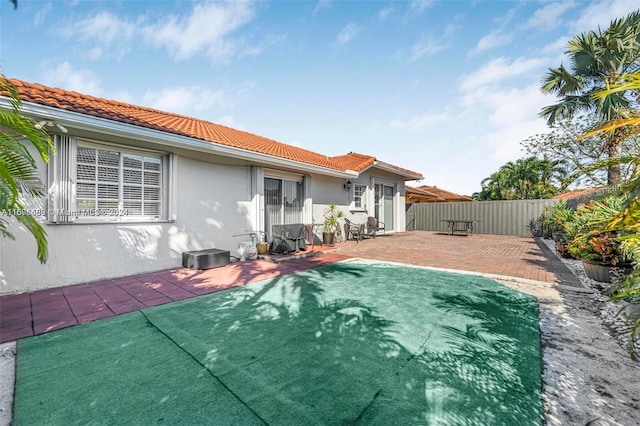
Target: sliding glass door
284,200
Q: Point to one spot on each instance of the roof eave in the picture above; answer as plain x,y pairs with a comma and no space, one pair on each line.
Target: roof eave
405,174
90,123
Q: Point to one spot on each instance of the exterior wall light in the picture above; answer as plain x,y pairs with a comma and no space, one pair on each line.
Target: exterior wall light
50,123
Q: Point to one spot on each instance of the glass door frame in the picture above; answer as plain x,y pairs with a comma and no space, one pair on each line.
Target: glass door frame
378,203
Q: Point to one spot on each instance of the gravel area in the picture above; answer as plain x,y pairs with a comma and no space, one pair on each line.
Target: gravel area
606,310
588,375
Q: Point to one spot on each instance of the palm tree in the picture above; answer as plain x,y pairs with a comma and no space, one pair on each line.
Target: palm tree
18,171
526,178
597,59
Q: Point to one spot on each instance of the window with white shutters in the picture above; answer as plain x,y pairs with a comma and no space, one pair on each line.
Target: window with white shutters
110,180
96,182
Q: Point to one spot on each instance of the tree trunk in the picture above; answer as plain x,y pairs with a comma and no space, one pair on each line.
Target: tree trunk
614,172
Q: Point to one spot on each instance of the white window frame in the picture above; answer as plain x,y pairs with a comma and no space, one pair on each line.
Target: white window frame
362,197
64,206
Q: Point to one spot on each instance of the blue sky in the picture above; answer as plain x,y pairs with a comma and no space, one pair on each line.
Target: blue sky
445,88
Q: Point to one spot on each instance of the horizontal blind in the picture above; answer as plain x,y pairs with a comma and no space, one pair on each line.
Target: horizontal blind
108,179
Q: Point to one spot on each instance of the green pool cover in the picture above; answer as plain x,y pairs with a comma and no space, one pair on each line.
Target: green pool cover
341,344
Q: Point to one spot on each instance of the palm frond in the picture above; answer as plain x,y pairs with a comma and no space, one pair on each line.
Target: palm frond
38,233
561,82
18,127
18,169
9,91
4,231
612,125
623,83
583,53
566,108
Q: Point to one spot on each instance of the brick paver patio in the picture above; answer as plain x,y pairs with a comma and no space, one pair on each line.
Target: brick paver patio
520,257
27,314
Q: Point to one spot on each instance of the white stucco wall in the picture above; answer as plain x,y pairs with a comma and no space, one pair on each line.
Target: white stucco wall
327,190
213,203
215,199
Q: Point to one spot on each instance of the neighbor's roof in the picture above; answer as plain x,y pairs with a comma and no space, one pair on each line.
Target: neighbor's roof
446,195
180,125
410,190
577,193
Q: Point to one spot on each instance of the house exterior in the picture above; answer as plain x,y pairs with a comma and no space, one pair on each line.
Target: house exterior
132,188
431,194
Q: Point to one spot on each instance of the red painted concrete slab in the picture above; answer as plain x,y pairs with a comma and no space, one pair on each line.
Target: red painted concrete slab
26,314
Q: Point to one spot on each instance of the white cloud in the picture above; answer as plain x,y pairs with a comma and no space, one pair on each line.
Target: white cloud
347,33
68,77
490,41
426,47
113,34
186,99
41,15
385,12
322,4
549,16
229,121
504,96
106,28
421,5
94,53
556,48
419,122
207,29
501,69
451,28
601,13
512,115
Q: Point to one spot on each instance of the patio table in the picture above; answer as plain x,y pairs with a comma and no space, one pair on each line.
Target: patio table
458,225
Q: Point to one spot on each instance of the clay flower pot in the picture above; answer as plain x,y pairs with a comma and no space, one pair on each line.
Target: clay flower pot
599,272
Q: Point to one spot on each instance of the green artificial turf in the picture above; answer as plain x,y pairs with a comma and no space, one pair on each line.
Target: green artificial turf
339,344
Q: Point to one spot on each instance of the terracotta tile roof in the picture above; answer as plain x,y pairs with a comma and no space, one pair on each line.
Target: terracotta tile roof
167,122
359,162
187,126
577,193
446,195
354,161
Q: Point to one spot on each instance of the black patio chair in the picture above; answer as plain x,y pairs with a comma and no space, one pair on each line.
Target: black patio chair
353,230
373,226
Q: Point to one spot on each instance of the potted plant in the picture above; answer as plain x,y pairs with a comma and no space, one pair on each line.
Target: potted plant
262,246
331,224
600,249
600,252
